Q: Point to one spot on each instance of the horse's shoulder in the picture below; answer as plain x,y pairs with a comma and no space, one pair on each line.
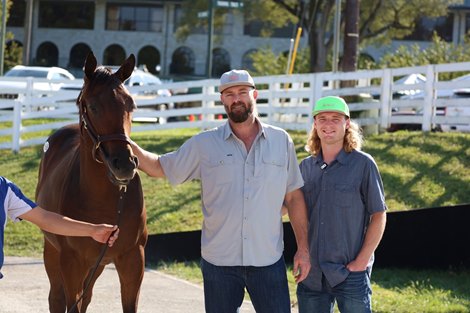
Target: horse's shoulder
64,138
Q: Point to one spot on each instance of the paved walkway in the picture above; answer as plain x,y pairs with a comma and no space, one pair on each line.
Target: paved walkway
25,288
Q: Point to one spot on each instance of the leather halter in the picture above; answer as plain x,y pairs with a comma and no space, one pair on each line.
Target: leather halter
94,136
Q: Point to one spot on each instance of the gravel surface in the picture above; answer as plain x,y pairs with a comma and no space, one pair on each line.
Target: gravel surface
25,287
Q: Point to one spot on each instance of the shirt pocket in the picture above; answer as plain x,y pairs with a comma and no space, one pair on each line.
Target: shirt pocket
219,170
274,160
272,169
344,195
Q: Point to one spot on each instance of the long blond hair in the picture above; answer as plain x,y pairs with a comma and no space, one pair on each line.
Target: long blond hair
353,139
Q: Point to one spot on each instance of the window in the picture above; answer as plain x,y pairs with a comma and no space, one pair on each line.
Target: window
426,26
467,23
179,19
134,18
66,14
17,14
256,29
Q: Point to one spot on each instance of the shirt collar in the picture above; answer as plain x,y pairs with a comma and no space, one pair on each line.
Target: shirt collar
342,158
227,130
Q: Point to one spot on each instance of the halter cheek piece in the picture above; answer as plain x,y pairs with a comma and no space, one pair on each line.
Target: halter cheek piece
97,139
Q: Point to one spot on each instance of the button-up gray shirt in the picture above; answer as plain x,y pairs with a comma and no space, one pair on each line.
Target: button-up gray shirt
340,199
242,191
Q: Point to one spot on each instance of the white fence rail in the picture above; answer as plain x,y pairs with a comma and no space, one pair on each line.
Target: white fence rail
284,100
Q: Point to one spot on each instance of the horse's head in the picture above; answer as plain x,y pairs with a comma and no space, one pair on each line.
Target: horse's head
106,114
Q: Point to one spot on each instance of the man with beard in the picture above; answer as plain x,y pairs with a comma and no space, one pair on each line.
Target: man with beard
248,170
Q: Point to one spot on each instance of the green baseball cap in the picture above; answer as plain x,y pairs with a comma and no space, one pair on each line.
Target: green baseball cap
331,104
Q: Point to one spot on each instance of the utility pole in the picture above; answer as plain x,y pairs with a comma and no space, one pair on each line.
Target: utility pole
28,28
3,34
336,35
210,30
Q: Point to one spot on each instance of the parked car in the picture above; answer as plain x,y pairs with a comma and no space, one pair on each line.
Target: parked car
12,84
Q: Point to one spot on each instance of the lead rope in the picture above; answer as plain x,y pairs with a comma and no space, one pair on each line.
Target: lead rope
122,191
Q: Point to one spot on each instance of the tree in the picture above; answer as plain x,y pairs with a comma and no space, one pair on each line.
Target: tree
13,52
437,52
380,21
351,36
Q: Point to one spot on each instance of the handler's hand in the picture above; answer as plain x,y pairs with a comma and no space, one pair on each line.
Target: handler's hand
301,265
105,233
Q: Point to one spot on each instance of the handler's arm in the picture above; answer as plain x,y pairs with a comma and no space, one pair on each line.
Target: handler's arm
295,203
372,239
62,225
148,162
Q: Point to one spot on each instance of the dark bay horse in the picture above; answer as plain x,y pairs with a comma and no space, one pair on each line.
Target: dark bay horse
88,172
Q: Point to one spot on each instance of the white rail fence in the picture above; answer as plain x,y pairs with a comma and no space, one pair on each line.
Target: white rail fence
285,101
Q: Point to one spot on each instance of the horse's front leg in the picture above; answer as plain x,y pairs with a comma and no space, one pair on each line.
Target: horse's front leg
74,271
130,268
89,291
56,291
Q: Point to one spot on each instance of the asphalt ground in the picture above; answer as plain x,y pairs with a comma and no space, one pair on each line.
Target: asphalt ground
25,288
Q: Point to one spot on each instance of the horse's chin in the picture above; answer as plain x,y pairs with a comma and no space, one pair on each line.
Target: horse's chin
120,181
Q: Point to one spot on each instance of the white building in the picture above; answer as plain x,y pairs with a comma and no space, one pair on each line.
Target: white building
62,32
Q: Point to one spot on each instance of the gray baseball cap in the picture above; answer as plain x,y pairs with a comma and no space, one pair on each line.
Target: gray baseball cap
235,78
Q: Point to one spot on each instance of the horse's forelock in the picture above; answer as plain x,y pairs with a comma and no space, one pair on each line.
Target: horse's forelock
102,75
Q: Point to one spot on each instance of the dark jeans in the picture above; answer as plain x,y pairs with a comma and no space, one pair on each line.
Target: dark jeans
353,295
224,287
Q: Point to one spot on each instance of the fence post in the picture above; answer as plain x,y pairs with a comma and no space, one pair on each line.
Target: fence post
28,96
206,117
429,98
317,92
271,99
16,127
386,98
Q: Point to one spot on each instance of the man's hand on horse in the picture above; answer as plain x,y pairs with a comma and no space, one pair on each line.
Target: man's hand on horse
106,233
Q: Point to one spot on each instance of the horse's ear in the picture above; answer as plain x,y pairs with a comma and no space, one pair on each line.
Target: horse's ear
126,68
90,65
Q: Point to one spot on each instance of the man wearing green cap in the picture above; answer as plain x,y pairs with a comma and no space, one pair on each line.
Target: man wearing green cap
345,201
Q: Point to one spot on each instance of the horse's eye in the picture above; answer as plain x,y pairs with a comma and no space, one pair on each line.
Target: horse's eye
93,108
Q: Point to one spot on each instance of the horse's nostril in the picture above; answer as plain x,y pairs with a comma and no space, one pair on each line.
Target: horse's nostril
136,161
116,163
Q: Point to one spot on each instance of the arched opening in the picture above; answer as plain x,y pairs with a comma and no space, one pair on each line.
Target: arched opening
247,61
150,58
77,58
47,54
182,61
220,62
114,55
